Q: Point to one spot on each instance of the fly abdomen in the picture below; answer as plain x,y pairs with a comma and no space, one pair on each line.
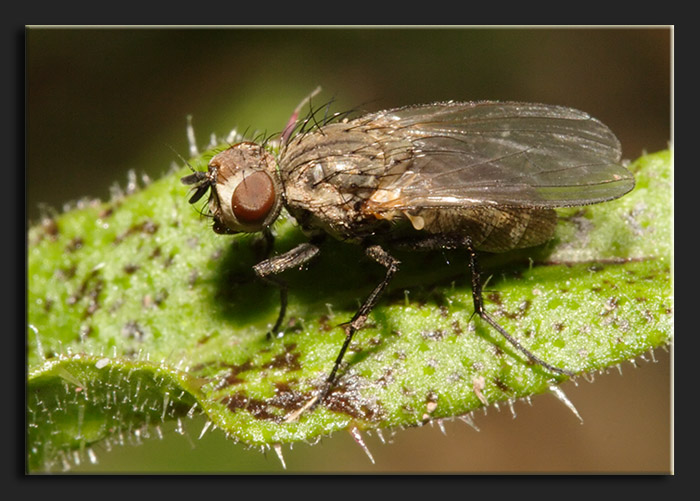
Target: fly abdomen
491,229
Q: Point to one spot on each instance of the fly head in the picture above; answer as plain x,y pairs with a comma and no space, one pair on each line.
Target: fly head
246,193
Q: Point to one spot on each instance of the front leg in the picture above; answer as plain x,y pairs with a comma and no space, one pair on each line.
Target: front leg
358,320
268,268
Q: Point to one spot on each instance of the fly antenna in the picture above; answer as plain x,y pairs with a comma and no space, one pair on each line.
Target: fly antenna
184,160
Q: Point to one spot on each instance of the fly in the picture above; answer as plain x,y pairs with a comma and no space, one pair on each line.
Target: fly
480,176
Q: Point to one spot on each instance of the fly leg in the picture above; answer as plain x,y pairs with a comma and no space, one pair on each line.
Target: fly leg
268,268
479,310
448,241
392,265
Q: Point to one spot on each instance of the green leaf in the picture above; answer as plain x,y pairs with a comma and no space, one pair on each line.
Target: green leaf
138,314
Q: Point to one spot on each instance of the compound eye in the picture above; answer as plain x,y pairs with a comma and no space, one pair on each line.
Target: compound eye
253,198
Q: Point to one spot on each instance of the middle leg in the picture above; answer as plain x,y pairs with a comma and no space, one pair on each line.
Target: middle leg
381,256
449,241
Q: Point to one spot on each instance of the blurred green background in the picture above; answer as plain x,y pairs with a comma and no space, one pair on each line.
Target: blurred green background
103,101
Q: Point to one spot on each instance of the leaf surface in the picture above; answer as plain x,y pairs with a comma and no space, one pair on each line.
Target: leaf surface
138,313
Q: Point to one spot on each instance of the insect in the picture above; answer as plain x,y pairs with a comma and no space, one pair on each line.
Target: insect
480,176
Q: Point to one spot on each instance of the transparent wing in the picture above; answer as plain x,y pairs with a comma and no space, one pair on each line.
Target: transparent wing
513,154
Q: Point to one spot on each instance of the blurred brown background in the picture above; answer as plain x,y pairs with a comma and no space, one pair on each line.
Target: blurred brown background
103,101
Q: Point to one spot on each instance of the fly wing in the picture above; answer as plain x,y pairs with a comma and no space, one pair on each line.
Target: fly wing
511,154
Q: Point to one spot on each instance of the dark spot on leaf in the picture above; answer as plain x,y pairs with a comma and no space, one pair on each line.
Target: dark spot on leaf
286,398
133,330
374,342
501,385
50,227
203,365
435,335
147,227
559,326
116,305
90,287
202,340
524,307
324,323
431,396
258,408
408,409
106,212
347,403
150,301
408,391
234,370
168,260
456,328
508,314
609,283
75,244
155,252
386,378
294,325
192,278
161,296
131,268
94,298
231,380
66,273
610,305
287,360
85,332
495,298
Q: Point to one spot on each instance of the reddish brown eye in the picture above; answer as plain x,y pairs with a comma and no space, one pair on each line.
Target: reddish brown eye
253,198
